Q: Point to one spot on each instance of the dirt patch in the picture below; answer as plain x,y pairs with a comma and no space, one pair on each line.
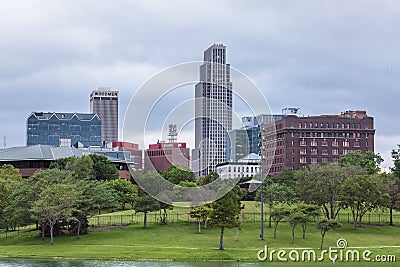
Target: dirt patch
105,228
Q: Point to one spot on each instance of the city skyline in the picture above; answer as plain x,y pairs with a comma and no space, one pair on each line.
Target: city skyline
324,57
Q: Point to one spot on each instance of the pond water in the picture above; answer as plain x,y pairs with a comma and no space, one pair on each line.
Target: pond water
93,263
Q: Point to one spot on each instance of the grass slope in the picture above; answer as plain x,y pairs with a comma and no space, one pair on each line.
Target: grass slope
181,242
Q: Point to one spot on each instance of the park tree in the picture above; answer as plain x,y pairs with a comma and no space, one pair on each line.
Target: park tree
146,204
103,169
369,161
295,218
176,174
391,186
321,185
54,203
275,193
324,225
10,178
225,213
278,214
92,198
201,214
126,192
209,178
363,193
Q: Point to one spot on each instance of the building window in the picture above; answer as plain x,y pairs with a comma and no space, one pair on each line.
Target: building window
324,142
303,142
346,143
314,151
314,160
335,143
324,160
314,143
345,151
303,159
335,159
357,143
335,151
303,151
324,151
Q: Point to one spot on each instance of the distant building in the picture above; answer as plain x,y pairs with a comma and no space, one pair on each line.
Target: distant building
30,159
63,129
163,155
136,153
244,141
245,167
104,102
295,141
213,110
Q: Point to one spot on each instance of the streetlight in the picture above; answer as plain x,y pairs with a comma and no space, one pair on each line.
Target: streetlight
262,189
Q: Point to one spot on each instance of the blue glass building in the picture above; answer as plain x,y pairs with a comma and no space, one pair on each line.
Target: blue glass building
63,129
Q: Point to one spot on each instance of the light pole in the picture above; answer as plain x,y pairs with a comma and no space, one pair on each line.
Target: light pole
262,187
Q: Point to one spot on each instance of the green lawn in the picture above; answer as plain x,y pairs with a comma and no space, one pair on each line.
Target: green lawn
181,242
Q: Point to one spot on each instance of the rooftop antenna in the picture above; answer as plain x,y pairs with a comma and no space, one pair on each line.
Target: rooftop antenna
173,133
5,142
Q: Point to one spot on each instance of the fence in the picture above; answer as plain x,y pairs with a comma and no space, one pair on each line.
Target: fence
124,219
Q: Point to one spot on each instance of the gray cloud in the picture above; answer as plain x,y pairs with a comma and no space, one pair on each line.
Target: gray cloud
322,56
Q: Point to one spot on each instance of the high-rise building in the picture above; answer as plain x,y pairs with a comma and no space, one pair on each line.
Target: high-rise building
213,110
63,129
104,102
295,141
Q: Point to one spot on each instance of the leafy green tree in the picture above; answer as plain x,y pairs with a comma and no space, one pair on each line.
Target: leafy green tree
311,212
275,193
126,191
164,207
103,169
56,202
10,178
209,178
324,225
225,213
146,204
177,174
321,185
93,196
369,161
361,194
391,186
201,214
278,214
295,218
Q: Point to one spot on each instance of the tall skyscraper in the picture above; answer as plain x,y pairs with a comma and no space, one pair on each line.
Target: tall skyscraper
104,102
213,110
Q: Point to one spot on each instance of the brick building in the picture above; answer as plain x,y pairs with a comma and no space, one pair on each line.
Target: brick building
295,141
162,155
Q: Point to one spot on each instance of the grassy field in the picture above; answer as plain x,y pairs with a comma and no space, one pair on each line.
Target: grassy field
181,242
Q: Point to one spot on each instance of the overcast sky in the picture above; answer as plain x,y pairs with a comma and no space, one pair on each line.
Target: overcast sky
322,56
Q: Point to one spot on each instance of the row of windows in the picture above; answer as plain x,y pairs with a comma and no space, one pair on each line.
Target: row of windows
324,151
331,134
325,142
332,125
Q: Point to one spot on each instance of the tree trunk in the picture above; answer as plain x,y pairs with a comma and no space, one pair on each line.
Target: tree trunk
322,240
79,229
391,216
145,220
237,234
292,234
221,239
304,226
270,217
355,225
51,233
276,226
43,230
199,227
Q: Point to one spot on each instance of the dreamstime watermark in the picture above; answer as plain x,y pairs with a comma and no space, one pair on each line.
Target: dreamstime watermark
164,100
340,253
